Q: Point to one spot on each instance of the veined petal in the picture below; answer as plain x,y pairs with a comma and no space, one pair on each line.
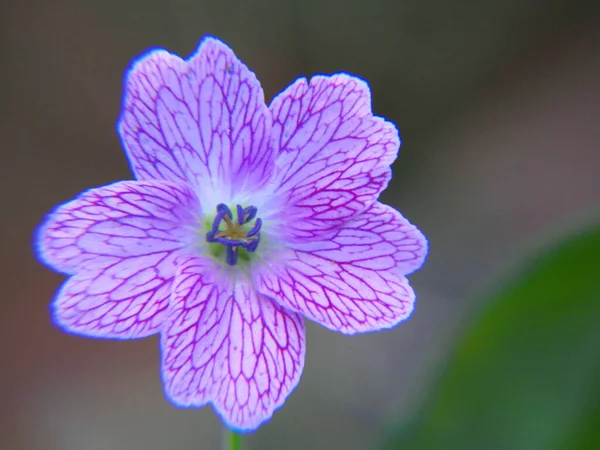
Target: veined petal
226,344
353,281
126,300
120,241
334,155
202,121
122,220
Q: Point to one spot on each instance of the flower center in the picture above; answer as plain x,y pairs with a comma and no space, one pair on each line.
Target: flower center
234,234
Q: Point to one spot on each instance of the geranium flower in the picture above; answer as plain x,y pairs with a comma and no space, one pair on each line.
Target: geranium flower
243,220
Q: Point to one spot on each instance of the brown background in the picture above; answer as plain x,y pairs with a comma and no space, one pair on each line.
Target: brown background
498,103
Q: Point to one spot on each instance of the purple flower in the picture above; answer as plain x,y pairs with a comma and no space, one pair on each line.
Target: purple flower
243,220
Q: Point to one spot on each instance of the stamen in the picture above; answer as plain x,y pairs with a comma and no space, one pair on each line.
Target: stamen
240,213
232,255
210,236
225,208
256,228
234,235
254,244
249,213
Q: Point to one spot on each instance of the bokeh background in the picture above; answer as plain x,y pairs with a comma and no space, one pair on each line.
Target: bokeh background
498,103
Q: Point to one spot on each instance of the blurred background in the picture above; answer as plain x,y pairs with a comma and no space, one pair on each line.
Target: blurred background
498,104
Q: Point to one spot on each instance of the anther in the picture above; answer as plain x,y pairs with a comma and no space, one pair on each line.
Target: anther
255,229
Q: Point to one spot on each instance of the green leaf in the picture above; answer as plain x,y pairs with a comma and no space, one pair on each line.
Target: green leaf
527,373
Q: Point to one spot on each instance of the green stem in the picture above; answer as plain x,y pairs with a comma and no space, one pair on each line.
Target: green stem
232,440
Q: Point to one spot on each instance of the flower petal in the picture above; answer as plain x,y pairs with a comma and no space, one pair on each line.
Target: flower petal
354,281
202,121
224,343
127,300
120,241
334,155
122,220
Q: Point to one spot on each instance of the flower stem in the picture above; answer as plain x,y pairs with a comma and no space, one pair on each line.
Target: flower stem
232,440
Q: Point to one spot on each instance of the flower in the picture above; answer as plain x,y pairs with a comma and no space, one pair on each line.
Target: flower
243,219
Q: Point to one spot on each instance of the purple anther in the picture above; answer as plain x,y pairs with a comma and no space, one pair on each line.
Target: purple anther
253,244
222,210
256,228
249,214
240,214
224,207
231,256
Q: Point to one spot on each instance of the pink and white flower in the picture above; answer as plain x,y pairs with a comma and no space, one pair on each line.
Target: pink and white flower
243,220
